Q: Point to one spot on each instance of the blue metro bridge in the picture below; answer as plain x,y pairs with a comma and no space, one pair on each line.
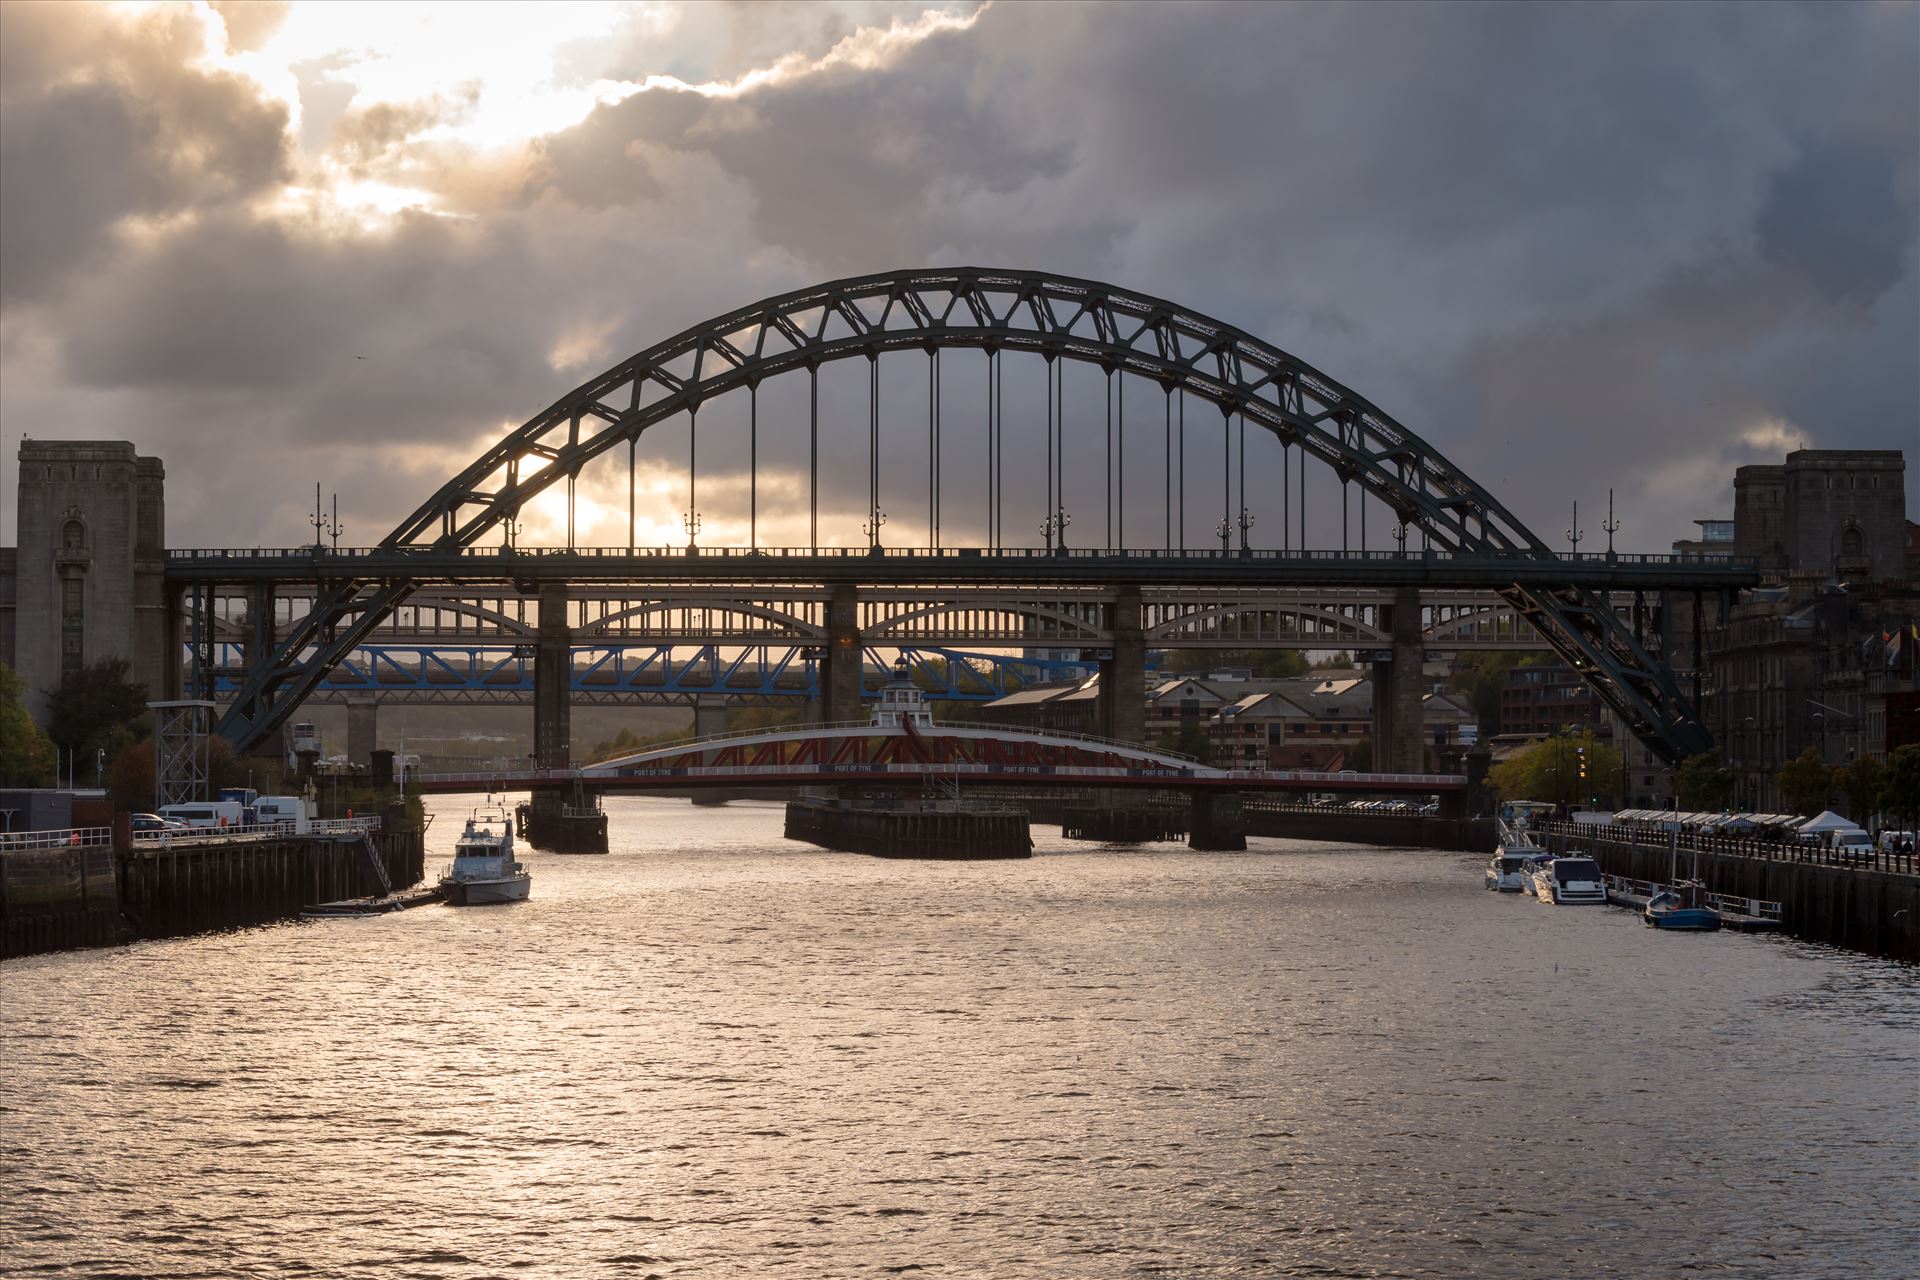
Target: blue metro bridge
452,603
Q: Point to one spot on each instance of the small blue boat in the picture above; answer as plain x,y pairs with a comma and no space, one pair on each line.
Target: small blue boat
1679,907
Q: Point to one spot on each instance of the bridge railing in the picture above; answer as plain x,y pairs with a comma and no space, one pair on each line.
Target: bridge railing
835,726
954,553
1651,836
66,837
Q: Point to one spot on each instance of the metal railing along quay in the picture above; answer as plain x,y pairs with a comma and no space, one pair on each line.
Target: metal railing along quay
1651,837
88,837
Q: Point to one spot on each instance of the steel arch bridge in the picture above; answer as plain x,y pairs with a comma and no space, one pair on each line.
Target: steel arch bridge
1120,332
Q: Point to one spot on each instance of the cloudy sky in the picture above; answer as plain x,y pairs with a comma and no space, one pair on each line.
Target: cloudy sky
1576,247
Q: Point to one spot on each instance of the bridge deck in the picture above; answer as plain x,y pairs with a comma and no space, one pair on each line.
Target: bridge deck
826,565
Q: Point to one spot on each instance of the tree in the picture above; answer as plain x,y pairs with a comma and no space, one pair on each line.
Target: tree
96,708
1334,662
1187,742
1703,782
1900,793
130,778
1550,771
1481,677
1863,781
26,756
1805,783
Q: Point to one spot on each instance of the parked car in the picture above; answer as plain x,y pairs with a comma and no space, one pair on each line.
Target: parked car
154,822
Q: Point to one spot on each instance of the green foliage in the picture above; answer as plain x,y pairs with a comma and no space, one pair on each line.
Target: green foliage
1805,783
1550,771
97,708
1704,782
1334,662
26,756
1265,664
743,718
626,742
1481,677
130,779
1900,793
1187,742
1862,781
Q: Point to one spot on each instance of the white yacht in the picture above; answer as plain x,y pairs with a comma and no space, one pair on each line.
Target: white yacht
483,869
1512,864
1569,881
1507,873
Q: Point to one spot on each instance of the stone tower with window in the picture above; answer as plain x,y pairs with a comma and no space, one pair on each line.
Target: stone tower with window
90,566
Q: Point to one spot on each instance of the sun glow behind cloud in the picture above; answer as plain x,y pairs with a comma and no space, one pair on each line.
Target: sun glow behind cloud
368,85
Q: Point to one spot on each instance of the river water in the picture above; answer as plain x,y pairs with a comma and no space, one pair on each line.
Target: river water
713,1053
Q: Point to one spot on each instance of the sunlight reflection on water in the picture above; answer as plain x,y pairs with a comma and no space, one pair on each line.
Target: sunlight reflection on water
714,1053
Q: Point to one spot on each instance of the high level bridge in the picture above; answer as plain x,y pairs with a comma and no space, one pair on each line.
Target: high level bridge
1425,558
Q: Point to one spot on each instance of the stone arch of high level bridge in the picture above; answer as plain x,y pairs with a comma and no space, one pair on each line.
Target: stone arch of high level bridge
925,314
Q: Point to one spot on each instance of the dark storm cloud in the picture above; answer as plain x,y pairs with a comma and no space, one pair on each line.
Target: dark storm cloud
1571,245
105,118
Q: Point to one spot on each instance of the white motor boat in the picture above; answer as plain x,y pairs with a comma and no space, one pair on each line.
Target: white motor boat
1507,873
483,869
1569,881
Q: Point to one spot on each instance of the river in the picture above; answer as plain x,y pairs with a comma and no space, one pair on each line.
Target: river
713,1053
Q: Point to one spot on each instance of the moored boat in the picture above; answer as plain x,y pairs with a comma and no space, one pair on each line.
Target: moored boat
1681,906
483,871
1507,872
1569,881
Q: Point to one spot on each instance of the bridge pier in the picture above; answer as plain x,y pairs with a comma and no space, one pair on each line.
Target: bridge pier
1123,677
709,715
552,680
363,730
1216,822
840,669
1399,688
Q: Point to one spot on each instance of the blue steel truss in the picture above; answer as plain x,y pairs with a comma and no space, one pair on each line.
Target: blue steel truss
759,671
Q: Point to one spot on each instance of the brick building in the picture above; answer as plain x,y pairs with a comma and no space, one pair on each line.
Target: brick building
1537,701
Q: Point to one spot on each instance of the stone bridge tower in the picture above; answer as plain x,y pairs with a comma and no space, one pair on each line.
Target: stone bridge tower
90,567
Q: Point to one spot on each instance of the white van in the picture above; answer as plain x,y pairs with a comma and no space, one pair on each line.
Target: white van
1853,846
207,813
297,810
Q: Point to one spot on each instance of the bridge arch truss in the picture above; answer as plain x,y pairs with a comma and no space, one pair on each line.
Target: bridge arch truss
926,313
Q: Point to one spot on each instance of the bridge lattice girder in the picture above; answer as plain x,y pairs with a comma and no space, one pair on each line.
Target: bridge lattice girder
996,311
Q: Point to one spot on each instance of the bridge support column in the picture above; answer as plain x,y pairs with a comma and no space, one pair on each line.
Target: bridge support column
1123,677
363,730
709,715
552,676
1399,689
840,669
1215,821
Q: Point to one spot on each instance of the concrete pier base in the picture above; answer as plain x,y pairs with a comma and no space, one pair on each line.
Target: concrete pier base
549,823
910,833
1215,822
